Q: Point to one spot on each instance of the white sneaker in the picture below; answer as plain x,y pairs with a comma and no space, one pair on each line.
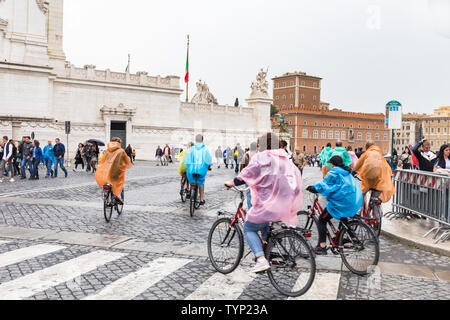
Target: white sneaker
261,266
12,180
1,180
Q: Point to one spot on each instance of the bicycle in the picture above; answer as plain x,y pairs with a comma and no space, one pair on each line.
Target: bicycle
110,203
372,212
351,240
292,260
184,191
194,202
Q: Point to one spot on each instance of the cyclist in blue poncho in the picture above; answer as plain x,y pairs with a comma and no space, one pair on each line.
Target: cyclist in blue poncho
198,162
344,197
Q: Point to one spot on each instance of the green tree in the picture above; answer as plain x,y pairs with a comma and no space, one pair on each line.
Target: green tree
273,110
236,103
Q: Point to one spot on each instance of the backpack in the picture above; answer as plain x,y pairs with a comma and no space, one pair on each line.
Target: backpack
236,153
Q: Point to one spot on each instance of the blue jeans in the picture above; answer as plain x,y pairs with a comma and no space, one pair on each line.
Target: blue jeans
24,164
35,172
61,164
251,235
48,164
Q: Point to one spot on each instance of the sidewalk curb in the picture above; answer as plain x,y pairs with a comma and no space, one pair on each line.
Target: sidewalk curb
422,246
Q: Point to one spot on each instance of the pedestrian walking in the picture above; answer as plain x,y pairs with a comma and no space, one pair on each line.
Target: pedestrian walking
6,159
219,156
79,157
299,160
59,149
49,158
129,152
94,156
247,159
353,156
27,150
230,157
225,152
158,155
86,155
36,160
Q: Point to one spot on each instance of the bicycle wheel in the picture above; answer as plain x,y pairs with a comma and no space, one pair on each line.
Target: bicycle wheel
107,206
377,214
193,200
119,207
183,189
358,247
225,245
308,223
292,263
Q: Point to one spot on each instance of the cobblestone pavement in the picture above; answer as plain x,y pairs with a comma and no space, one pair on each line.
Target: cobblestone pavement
155,240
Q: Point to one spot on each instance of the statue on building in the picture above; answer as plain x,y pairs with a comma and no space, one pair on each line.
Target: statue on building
261,86
203,94
282,123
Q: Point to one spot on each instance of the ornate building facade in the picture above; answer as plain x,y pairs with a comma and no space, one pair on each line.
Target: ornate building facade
40,90
312,124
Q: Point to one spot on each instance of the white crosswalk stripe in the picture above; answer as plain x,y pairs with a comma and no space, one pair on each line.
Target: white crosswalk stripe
324,287
23,254
38,281
223,287
137,282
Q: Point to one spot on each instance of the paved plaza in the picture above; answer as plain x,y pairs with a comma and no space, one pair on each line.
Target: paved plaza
55,244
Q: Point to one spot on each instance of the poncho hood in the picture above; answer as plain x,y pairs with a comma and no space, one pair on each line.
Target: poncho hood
113,146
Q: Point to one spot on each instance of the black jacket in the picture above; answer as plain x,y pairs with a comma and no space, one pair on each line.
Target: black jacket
425,164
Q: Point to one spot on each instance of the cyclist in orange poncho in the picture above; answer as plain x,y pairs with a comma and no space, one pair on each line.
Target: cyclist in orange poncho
112,166
375,172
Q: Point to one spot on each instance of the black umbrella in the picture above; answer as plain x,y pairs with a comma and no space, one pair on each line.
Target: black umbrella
98,142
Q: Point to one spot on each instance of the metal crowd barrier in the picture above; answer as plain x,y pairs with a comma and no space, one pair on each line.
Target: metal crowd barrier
424,194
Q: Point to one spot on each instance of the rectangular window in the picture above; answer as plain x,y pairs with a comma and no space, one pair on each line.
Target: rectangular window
369,136
305,133
316,134
343,135
323,134
377,136
336,134
330,134
359,136
385,137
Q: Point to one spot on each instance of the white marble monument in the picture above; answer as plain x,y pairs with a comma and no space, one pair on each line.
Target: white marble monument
40,90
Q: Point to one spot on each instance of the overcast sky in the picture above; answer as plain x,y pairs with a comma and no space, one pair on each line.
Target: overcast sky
367,52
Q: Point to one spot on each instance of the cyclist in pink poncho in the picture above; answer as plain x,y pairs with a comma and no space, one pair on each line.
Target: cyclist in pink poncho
276,193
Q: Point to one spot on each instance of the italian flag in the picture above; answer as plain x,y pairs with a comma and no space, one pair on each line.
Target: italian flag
186,77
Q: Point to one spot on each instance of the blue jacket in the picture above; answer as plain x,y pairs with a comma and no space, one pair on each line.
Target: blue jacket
37,152
59,150
198,160
342,192
48,153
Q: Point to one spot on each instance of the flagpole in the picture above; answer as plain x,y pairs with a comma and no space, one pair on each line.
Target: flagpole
187,65
128,69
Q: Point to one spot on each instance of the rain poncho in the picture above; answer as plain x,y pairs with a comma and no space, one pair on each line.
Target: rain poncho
182,167
276,187
198,160
341,152
111,167
324,155
354,158
375,173
342,192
